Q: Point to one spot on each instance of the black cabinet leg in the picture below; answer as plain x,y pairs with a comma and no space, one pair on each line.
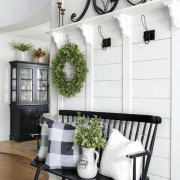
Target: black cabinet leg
37,173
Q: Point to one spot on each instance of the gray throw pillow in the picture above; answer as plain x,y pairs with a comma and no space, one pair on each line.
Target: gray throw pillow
60,153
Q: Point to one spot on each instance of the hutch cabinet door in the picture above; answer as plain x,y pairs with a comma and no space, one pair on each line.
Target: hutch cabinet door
26,84
13,84
42,95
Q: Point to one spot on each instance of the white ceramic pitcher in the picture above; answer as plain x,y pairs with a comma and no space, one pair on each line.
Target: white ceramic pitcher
87,166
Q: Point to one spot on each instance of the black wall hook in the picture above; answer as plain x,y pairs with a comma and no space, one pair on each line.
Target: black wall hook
144,22
105,42
148,35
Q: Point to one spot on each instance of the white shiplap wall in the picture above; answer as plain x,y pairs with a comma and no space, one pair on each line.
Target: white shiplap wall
78,102
151,88
151,79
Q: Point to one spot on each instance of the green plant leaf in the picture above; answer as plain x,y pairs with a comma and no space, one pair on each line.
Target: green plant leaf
21,46
89,136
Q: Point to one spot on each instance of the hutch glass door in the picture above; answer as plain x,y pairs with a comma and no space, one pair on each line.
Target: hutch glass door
14,84
42,84
26,85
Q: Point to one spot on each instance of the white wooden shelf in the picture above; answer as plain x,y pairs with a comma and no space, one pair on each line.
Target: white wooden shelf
129,12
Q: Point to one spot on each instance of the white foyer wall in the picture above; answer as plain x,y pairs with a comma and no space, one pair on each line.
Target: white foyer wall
6,55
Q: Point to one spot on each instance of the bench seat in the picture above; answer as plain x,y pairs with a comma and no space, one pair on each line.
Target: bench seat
67,174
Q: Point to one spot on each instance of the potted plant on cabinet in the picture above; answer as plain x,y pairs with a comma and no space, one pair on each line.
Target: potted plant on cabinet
23,50
89,137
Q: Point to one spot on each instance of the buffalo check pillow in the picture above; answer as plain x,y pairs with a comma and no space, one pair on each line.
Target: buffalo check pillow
42,153
60,141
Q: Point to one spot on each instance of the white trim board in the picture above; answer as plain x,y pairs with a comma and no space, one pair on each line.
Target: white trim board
175,112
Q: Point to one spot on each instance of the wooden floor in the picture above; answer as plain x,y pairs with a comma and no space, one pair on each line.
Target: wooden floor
14,162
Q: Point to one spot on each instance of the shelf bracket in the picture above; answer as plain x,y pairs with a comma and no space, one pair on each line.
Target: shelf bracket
124,23
58,38
87,33
174,7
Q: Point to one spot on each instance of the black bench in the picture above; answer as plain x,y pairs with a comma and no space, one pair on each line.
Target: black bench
131,125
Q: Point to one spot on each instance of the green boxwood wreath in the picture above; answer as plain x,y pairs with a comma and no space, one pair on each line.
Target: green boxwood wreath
69,53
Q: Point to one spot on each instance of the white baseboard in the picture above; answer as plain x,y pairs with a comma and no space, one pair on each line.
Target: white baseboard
4,138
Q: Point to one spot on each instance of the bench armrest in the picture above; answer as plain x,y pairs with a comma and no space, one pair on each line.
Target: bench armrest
139,154
136,155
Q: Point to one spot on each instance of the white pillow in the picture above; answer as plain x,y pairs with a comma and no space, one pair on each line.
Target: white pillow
114,162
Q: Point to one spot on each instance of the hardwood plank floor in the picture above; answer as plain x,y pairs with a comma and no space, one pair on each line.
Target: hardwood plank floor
14,162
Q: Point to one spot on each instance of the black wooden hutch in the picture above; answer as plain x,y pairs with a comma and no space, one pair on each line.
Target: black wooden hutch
29,98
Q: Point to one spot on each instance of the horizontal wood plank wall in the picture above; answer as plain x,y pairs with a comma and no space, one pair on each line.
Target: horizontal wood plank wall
108,69
151,87
151,79
77,102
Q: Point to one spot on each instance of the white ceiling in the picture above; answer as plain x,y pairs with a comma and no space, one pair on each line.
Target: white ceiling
35,23
12,12
36,33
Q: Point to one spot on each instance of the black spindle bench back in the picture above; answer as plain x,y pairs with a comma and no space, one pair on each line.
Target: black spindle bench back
131,126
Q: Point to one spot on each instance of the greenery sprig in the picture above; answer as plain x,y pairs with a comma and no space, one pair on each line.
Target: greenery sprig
21,46
89,136
69,53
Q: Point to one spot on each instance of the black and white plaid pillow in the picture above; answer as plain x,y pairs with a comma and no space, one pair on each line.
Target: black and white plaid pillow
60,153
42,153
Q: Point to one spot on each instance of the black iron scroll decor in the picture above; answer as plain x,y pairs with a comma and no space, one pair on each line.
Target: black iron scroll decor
99,10
135,3
83,13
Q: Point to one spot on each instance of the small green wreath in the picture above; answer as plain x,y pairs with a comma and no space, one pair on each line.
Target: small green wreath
69,53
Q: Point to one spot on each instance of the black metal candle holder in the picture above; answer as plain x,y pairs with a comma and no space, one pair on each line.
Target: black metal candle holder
62,12
59,6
